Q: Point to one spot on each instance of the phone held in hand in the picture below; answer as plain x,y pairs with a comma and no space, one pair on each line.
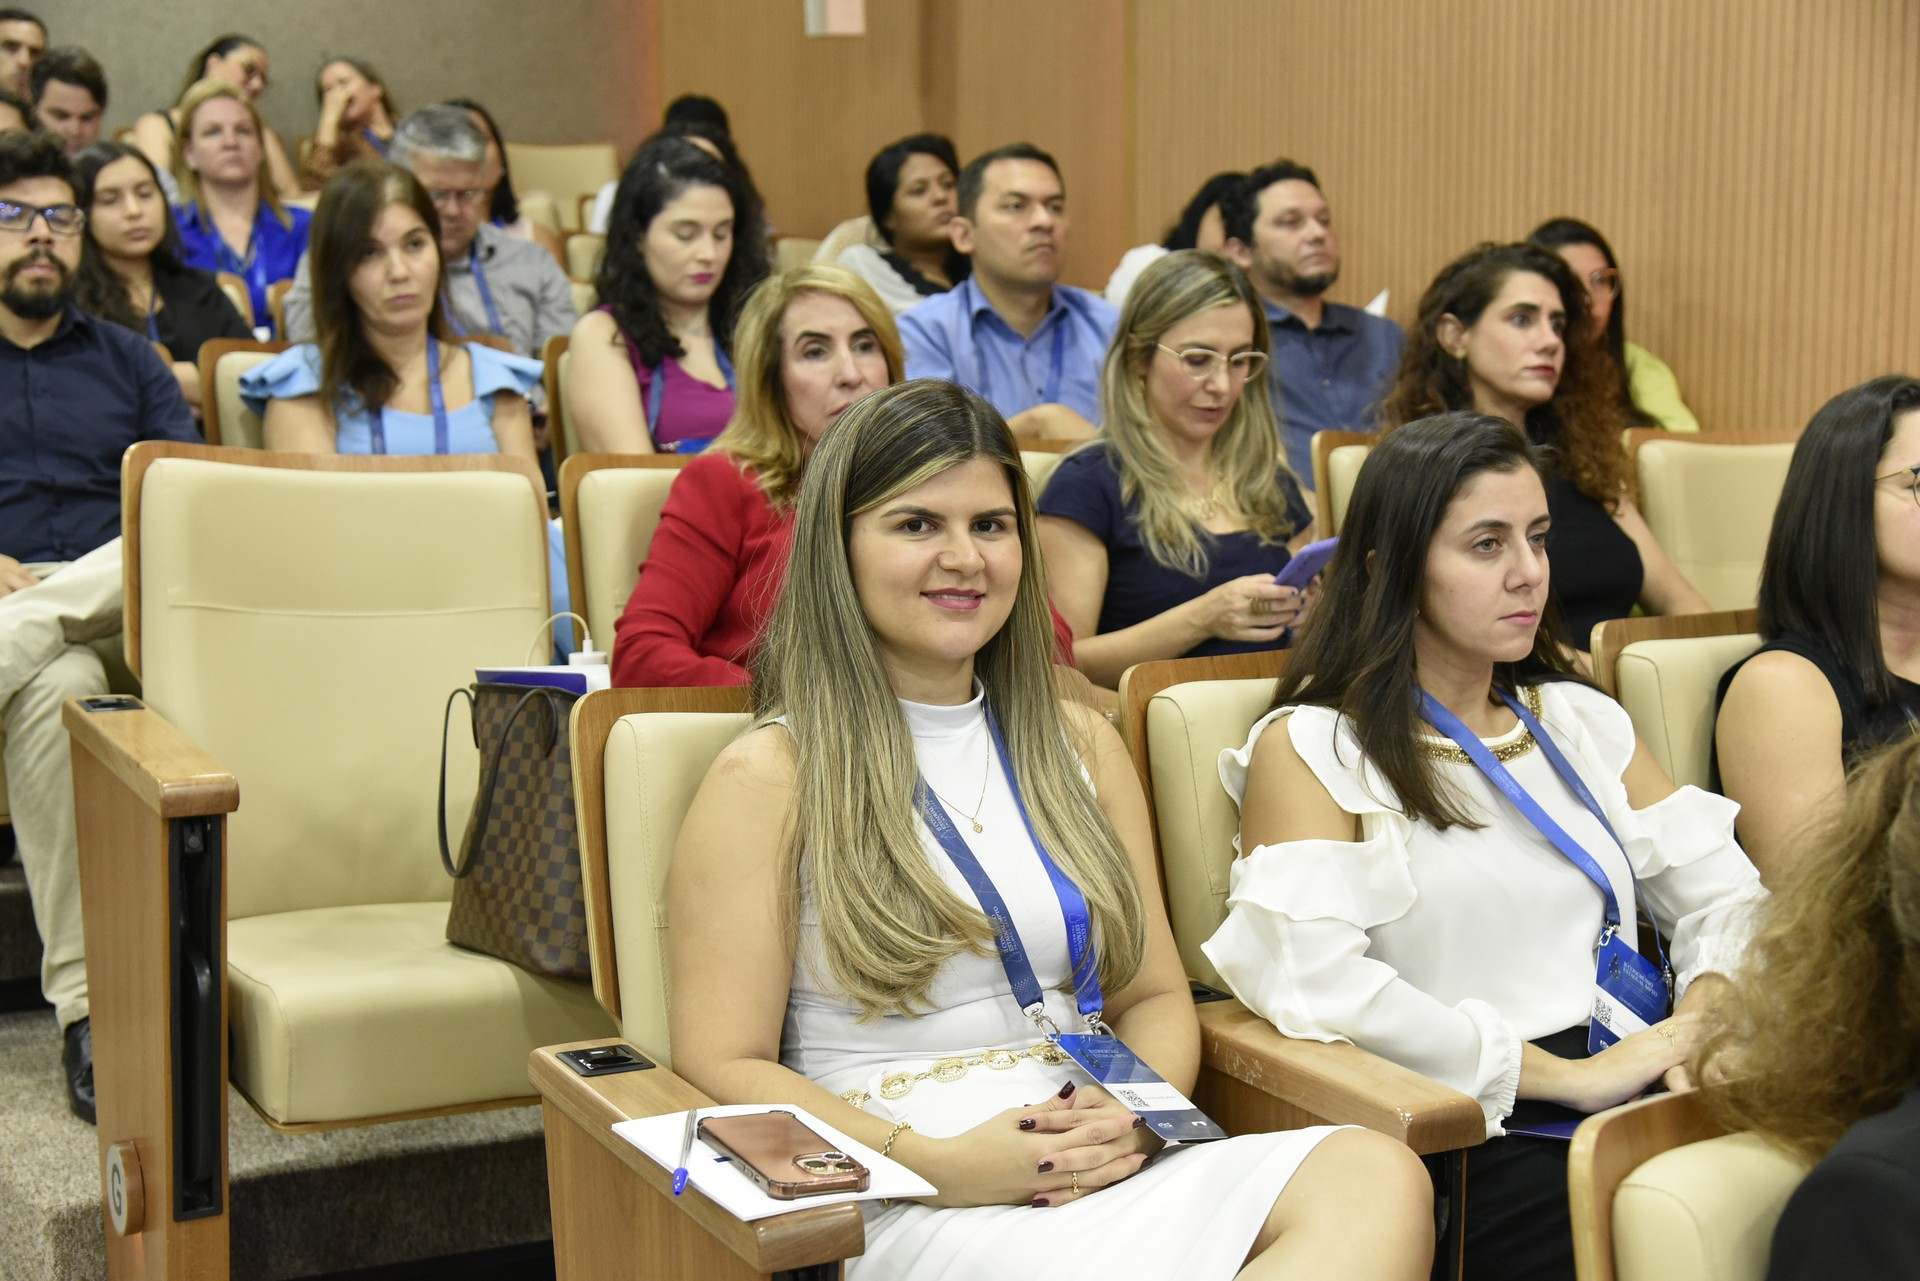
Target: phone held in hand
1307,564
782,1156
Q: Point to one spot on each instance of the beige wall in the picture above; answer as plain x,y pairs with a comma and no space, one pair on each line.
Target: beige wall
550,71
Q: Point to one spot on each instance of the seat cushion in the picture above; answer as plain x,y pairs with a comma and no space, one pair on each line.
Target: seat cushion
1668,688
350,1013
1703,1212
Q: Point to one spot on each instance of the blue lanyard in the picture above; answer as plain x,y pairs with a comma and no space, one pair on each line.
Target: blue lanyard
486,297
252,267
983,384
373,140
657,397
1497,774
441,431
1013,953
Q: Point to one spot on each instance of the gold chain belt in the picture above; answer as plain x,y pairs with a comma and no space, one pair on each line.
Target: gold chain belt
897,1085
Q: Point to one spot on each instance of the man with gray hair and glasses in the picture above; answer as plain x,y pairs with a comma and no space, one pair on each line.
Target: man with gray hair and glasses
495,283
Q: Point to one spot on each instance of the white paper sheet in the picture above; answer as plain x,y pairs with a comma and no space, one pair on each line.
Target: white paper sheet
659,1137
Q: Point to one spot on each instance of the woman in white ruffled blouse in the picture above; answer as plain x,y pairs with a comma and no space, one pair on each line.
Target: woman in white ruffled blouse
1390,896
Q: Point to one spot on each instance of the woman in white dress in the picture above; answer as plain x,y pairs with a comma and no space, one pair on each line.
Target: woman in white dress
828,952
1389,895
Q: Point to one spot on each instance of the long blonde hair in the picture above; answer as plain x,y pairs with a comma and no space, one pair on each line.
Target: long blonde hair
888,921
1246,450
198,95
761,436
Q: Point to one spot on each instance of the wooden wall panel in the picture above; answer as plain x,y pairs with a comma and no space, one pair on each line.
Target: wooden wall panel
807,113
1754,162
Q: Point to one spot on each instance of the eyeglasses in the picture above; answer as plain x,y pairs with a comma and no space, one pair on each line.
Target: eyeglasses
1912,477
467,196
62,220
1202,363
1605,281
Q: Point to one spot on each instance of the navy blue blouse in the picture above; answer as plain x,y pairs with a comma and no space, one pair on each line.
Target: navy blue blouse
1085,488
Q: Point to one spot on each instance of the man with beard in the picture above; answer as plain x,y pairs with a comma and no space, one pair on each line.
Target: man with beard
1331,364
74,393
1011,332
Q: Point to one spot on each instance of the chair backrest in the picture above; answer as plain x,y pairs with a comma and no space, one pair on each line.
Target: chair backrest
584,250
1711,506
609,507
314,655
565,171
1659,1193
538,208
237,293
277,305
1337,456
585,296
635,775
792,251
1039,464
552,356
1665,671
225,418
1185,728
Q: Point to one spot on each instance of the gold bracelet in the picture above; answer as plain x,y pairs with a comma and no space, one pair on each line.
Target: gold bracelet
886,1148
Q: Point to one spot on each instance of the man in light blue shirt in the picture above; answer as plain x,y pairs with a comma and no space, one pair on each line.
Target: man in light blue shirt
1011,332
1331,364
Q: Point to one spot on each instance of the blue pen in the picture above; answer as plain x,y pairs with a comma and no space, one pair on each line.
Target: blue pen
686,1151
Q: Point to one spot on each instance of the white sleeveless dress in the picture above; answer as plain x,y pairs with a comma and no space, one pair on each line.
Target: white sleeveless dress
1193,1213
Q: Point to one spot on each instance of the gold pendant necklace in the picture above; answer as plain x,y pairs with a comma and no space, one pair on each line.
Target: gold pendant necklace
1207,505
973,818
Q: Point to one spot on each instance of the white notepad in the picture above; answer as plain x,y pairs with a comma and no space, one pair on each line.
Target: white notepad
659,1137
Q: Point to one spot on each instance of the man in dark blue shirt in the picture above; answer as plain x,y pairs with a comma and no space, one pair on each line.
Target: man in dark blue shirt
1331,364
74,393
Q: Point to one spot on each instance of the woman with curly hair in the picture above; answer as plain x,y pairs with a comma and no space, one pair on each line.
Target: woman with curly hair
1817,1046
1499,332
652,367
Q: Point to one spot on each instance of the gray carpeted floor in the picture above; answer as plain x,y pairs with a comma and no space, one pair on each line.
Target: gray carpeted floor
302,1204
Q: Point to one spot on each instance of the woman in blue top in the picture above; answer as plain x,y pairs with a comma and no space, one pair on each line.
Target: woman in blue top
231,218
386,376
1162,537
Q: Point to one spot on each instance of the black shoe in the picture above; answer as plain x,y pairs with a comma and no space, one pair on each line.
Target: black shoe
77,1059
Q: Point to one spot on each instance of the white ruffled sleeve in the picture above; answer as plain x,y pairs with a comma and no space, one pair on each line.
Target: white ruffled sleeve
1693,877
1294,944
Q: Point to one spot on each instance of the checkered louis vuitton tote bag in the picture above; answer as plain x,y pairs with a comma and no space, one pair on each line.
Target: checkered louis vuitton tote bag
518,894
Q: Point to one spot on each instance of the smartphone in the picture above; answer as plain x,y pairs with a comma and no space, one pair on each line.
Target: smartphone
785,1159
1307,563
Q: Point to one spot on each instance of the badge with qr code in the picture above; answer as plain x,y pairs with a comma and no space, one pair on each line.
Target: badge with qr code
1121,1073
1629,994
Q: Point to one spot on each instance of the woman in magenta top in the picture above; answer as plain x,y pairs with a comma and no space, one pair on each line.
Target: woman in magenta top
812,340
651,369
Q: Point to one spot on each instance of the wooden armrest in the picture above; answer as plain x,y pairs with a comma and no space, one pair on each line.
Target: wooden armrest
155,762
1244,1056
800,1239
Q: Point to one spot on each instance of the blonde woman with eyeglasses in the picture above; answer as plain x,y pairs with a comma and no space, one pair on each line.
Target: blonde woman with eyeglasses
1163,536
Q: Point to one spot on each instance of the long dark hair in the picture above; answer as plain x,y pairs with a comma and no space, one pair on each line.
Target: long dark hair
506,205
1581,422
98,288
659,172
220,48
1819,578
343,223
1355,654
1185,234
1554,235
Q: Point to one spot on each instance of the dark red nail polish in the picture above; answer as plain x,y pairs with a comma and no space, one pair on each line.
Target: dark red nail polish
1026,1123
1139,1121
1065,1090
1044,1167
1039,1203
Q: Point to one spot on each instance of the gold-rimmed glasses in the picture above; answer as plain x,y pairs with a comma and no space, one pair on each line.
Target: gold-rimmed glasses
1912,475
1201,363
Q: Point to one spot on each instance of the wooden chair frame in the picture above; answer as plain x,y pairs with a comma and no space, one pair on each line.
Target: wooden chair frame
557,438
1615,634
277,306
151,813
572,472
209,362
1608,1147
